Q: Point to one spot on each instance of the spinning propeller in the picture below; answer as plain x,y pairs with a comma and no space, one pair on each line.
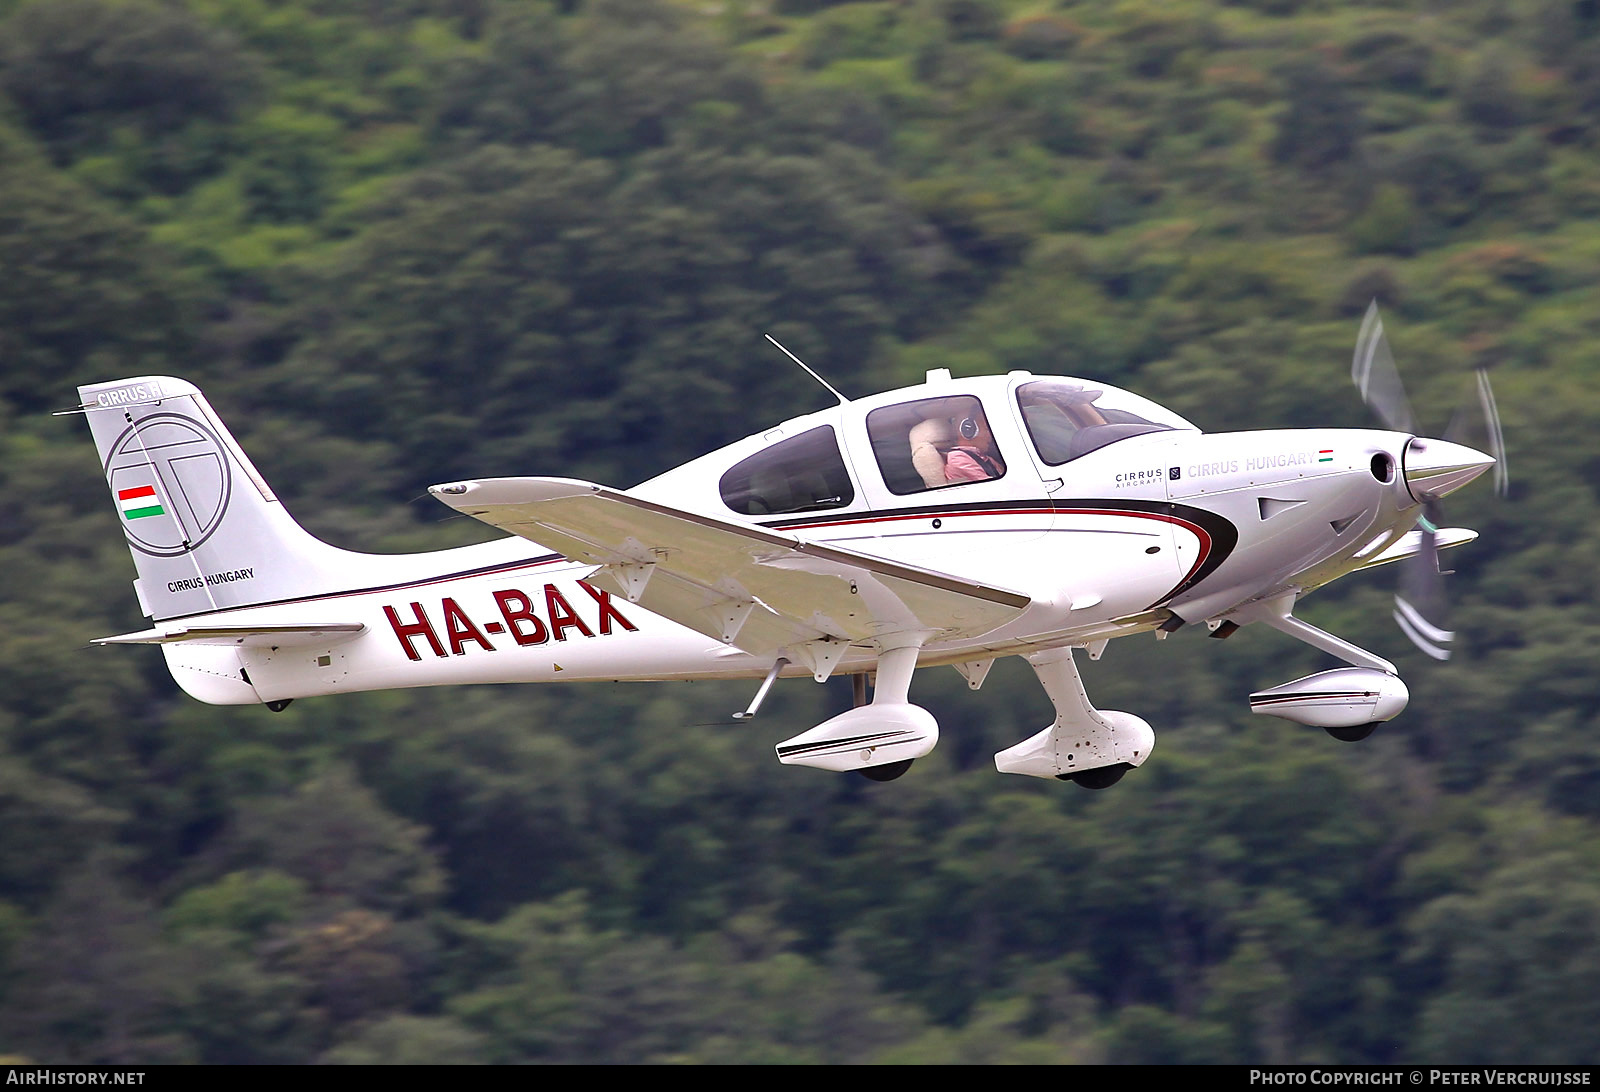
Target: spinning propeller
1432,468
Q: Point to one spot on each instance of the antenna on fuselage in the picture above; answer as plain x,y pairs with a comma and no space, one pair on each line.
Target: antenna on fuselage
831,388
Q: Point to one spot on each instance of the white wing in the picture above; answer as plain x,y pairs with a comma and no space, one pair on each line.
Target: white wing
736,582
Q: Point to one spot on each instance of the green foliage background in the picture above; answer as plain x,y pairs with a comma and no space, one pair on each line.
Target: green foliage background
407,241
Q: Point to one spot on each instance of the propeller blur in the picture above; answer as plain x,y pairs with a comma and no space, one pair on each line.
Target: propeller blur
1433,468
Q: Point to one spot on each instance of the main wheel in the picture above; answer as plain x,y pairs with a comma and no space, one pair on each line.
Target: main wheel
888,771
1355,734
1102,778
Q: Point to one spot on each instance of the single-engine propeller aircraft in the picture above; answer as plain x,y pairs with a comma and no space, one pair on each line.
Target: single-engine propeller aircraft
952,522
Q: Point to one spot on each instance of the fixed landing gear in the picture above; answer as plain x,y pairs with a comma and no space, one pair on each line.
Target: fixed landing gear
1347,702
879,738
1091,747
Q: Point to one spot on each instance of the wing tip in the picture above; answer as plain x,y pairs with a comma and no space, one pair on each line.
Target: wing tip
495,491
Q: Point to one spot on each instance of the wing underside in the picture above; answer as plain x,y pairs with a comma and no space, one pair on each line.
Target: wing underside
759,590
252,636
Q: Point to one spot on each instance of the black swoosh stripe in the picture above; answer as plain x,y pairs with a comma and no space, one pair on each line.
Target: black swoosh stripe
842,741
1278,699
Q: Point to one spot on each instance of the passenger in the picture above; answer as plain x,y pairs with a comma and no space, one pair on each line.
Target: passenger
948,450
975,457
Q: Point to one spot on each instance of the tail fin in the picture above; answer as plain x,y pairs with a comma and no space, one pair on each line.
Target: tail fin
205,530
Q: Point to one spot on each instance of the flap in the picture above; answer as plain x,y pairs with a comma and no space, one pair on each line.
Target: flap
736,582
256,636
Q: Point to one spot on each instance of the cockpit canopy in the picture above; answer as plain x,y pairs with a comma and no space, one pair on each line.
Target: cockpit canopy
943,434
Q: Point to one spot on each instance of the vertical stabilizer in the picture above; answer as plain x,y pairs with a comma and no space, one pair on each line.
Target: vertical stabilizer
205,531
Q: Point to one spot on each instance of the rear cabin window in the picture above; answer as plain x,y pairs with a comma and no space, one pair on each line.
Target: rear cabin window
804,473
1065,422
934,444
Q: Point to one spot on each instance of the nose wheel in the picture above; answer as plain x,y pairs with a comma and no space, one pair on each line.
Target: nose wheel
1354,734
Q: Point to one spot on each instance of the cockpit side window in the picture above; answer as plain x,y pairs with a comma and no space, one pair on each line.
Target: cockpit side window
804,473
934,443
1064,422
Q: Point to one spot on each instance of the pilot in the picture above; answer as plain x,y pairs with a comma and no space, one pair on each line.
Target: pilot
1076,404
1063,420
1079,404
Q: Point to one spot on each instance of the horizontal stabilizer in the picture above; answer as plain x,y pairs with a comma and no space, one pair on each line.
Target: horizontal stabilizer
1410,543
257,636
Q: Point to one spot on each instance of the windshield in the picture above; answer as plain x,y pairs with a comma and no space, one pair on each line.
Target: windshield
1065,420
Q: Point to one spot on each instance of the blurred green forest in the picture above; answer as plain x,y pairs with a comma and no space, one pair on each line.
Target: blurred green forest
402,241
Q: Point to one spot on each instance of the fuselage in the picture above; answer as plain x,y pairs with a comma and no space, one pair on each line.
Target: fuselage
1113,515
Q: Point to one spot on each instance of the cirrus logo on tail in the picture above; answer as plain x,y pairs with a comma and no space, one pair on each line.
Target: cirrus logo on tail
172,482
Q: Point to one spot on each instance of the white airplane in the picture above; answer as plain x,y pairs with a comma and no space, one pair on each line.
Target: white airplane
953,522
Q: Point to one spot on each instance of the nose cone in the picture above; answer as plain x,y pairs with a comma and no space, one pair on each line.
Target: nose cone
1434,468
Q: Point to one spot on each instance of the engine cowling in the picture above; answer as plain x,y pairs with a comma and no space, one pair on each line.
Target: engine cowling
1346,697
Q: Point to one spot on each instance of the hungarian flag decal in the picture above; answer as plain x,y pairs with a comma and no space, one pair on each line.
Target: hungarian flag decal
139,502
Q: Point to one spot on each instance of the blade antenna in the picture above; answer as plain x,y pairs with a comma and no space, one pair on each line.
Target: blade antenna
843,401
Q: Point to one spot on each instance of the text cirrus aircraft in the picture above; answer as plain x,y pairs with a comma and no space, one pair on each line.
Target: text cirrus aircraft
952,522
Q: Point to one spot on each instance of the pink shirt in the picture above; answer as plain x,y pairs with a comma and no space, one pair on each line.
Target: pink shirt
968,464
